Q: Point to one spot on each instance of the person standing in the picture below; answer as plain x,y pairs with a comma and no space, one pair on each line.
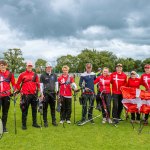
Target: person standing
7,82
145,81
98,105
49,89
87,84
118,79
66,84
134,82
28,85
104,88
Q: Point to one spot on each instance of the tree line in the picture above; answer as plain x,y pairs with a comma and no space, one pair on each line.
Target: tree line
99,59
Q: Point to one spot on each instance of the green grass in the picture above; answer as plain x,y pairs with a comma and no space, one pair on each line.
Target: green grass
73,137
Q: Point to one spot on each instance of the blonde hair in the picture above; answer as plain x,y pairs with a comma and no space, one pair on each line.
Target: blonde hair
65,67
106,68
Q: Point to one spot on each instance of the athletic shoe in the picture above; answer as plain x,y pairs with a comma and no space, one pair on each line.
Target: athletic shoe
109,121
104,120
36,125
54,123
24,127
45,124
137,121
61,121
81,122
115,121
146,122
5,130
68,121
119,119
132,121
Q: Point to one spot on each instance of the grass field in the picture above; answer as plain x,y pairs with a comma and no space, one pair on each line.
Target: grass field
73,137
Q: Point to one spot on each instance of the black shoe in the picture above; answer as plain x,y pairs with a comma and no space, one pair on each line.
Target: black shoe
145,122
24,127
119,119
36,125
45,124
5,130
81,122
54,123
115,121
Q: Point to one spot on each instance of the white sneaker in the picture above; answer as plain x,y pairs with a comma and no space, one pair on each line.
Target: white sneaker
109,121
68,121
61,121
104,120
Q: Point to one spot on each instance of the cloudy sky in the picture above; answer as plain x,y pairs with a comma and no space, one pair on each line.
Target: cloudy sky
52,28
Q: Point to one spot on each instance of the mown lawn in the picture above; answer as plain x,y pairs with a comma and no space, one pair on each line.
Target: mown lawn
73,137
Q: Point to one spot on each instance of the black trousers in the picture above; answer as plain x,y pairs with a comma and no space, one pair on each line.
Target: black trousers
107,102
49,100
87,98
117,106
26,100
133,116
98,98
4,104
66,108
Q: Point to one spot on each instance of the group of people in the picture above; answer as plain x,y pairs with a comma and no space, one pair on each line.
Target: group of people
48,86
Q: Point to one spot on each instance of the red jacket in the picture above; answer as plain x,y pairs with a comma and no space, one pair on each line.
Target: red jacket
134,83
145,81
65,88
117,81
104,83
26,83
5,79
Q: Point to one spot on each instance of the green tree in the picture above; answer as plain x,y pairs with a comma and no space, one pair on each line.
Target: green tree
71,61
40,65
14,59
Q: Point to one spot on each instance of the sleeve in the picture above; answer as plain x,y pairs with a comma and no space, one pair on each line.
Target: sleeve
111,78
13,81
126,80
96,80
19,81
56,84
37,81
141,80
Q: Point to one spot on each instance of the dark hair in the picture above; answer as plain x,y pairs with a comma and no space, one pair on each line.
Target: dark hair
3,62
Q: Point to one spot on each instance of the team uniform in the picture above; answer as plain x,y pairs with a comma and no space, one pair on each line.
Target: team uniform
134,83
87,81
65,92
6,80
117,80
49,88
104,86
145,81
28,85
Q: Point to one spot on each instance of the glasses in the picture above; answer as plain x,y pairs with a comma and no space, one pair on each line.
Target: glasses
133,74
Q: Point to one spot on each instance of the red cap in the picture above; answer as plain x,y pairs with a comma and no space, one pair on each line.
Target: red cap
147,66
29,63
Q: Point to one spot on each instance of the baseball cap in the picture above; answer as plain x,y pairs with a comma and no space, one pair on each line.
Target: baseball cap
147,66
29,63
48,64
99,69
133,72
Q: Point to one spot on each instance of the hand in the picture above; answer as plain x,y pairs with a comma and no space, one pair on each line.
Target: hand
87,89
